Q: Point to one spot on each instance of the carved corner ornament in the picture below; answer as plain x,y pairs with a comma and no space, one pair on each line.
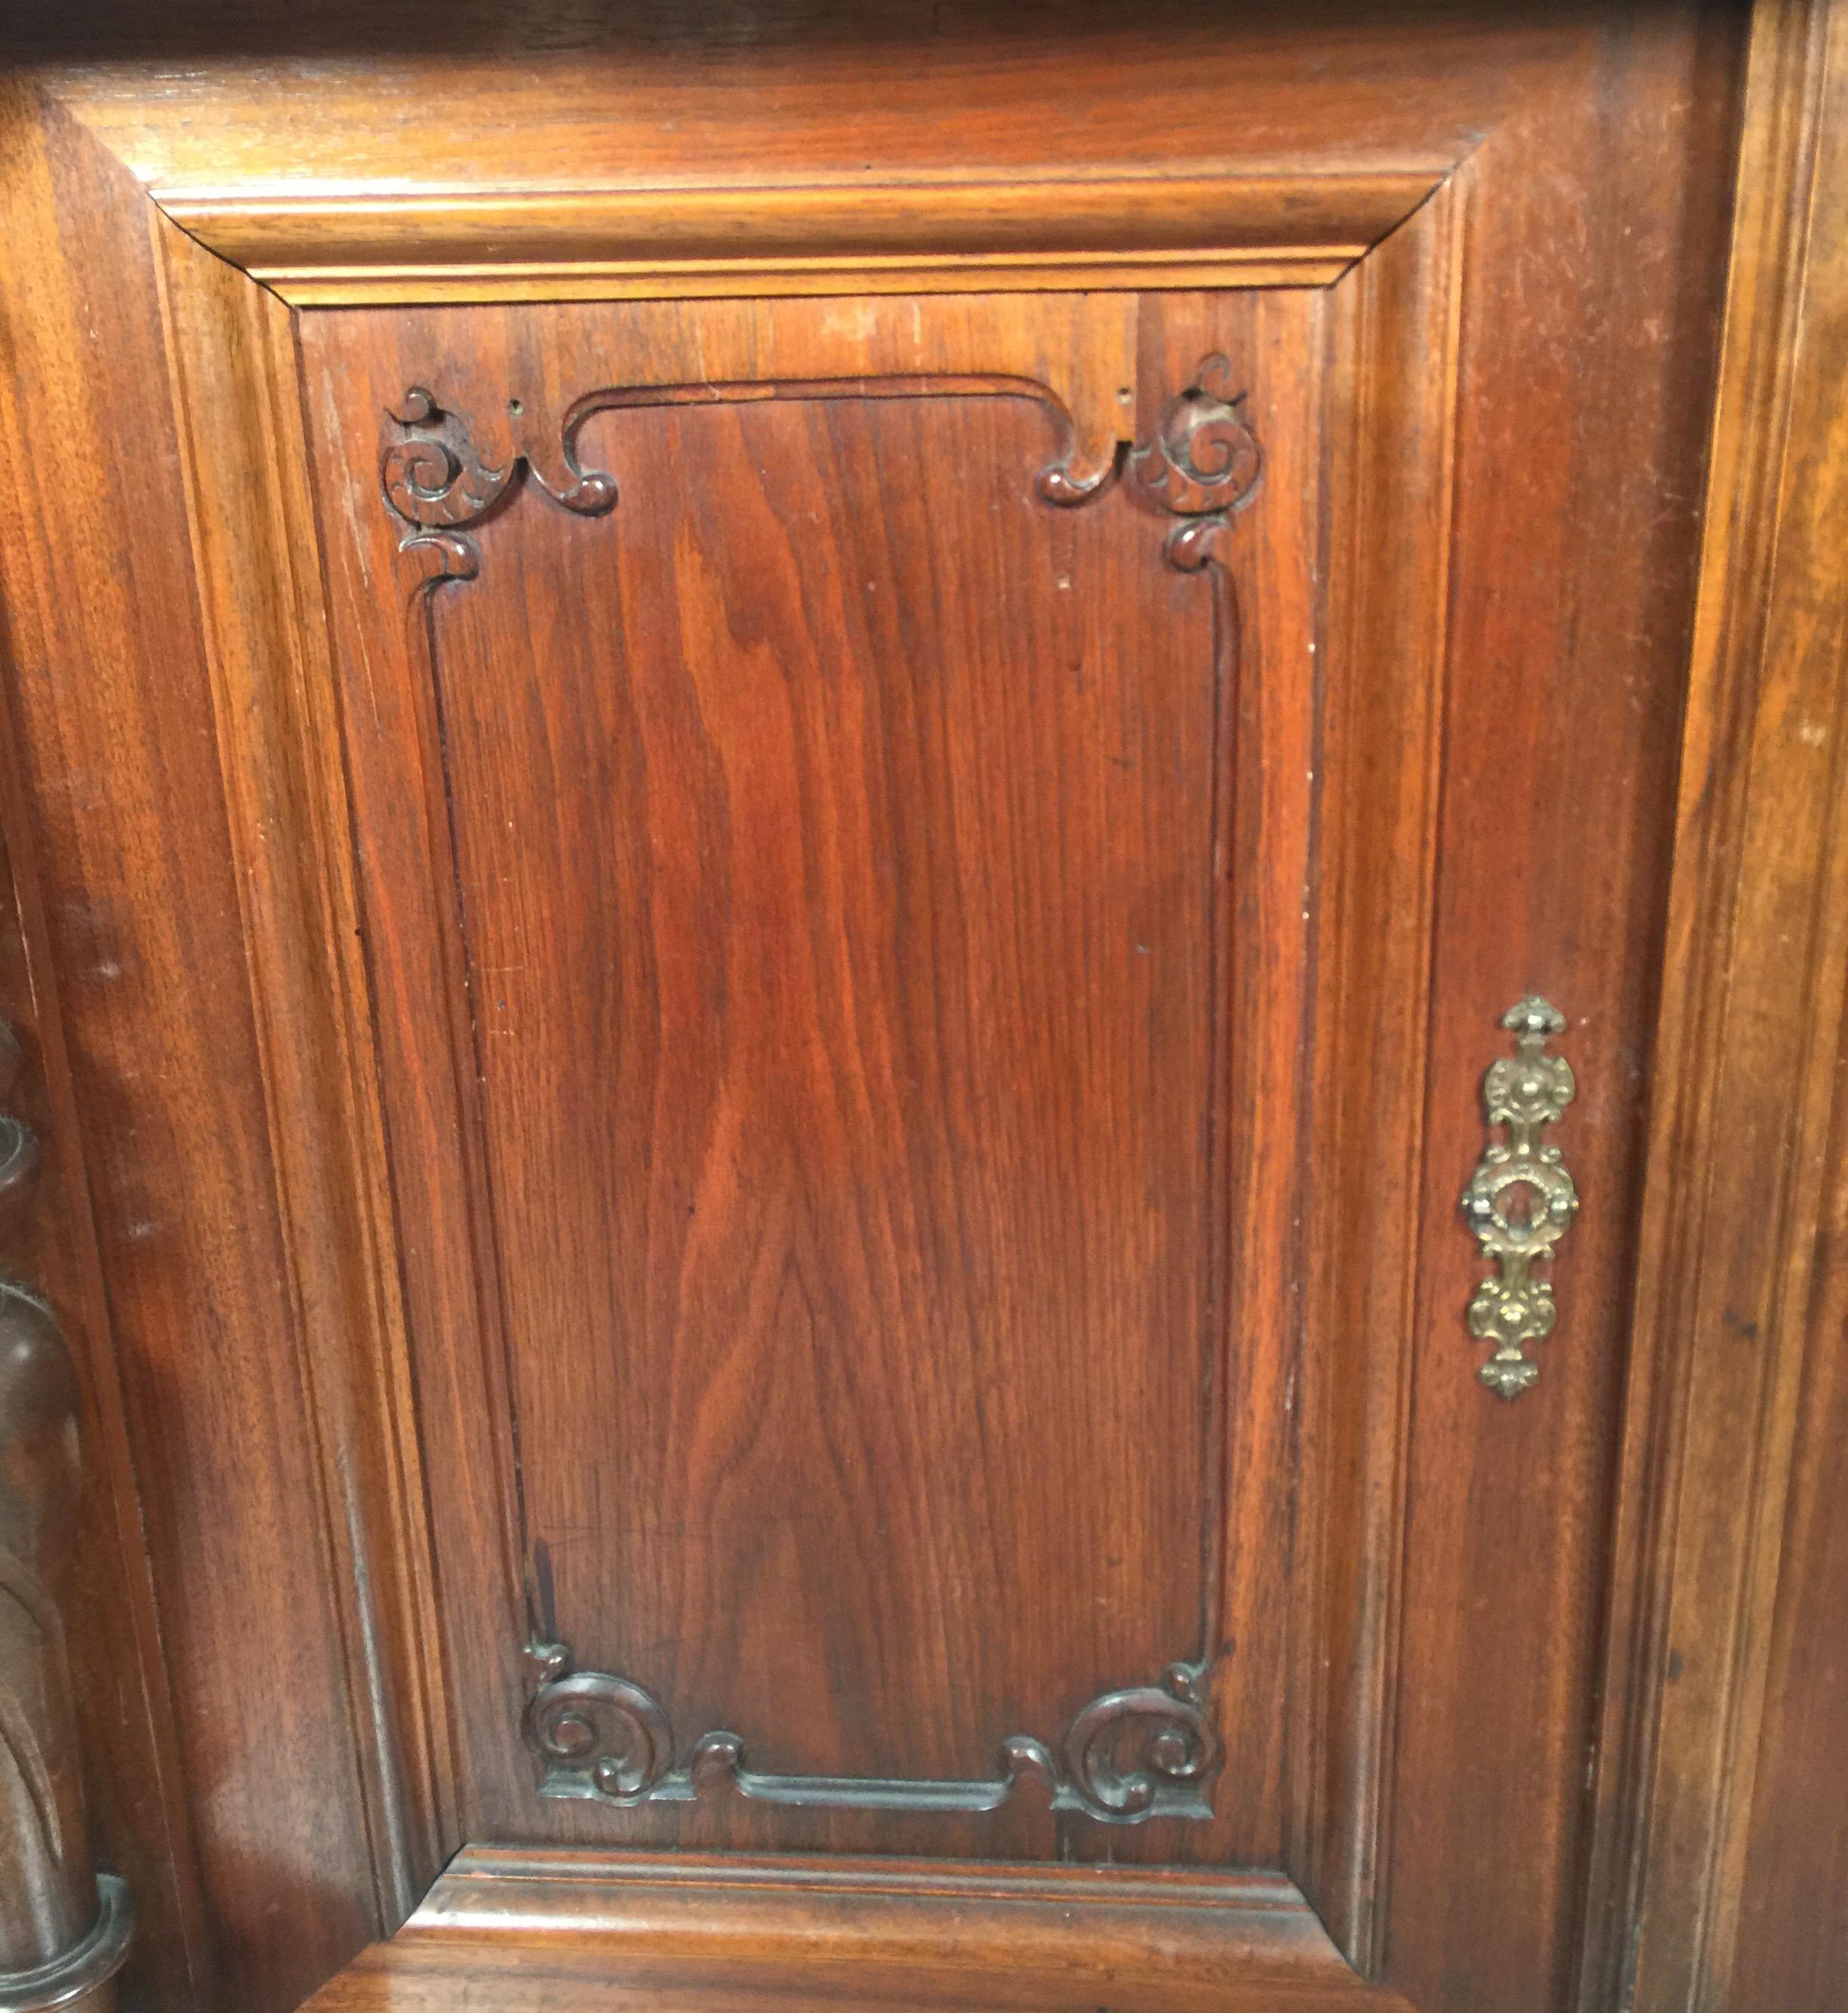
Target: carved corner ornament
1145,1752
439,483
1204,464
1520,1200
64,1929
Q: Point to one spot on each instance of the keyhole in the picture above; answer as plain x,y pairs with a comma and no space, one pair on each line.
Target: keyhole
1519,1204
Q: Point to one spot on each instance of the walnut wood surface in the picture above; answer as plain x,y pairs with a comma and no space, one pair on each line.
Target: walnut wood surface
783,1501
821,861
884,1932
48,1888
1725,1777
952,234
220,1704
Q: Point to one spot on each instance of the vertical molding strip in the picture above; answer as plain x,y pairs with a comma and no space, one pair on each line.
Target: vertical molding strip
231,354
1397,335
1751,1019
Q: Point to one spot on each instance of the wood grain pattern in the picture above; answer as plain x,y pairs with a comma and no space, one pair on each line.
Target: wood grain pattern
899,1313
883,1931
231,351
964,757
1734,1336
1395,332
760,239
64,1929
1796,1846
1579,443
138,1826
341,100
119,809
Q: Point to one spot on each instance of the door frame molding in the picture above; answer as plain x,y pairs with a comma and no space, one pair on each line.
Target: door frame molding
1747,1077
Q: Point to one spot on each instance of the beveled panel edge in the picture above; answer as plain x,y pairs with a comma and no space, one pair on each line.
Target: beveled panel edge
1201,468
920,235
1395,338
256,547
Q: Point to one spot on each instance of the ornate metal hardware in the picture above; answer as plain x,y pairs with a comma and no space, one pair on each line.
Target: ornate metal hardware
64,1929
1147,1751
1520,1200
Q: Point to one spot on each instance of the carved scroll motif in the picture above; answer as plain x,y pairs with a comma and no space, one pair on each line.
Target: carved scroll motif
64,1932
438,482
1203,465
1145,1752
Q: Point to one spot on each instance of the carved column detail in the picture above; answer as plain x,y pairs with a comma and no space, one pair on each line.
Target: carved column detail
64,1930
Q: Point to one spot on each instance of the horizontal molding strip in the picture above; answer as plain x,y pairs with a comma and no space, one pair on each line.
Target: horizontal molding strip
333,248
1179,1936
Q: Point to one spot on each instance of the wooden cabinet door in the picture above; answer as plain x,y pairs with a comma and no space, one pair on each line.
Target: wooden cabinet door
829,780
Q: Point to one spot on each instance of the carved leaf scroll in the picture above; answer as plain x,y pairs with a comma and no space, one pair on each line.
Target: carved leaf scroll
1148,1751
1203,465
438,482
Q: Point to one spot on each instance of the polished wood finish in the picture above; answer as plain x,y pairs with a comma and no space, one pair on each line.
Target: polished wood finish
707,1224
1726,1825
520,1928
60,1935
231,350
760,240
841,1087
222,1700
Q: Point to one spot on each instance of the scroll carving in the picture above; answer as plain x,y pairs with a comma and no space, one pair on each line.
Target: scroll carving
438,482
63,1932
1520,1200
1148,1751
1203,465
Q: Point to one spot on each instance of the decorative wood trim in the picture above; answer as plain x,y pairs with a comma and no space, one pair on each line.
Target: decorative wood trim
434,477
231,353
943,234
1146,1752
970,1933
1752,1022
1395,336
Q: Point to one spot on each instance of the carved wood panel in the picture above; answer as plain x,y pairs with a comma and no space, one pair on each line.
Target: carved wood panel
826,817
862,1321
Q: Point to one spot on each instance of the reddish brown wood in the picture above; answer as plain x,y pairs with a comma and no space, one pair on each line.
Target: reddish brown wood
227,1716
924,1103
1722,1787
943,790
1794,1952
63,1932
713,1931
1394,330
231,351
1579,456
